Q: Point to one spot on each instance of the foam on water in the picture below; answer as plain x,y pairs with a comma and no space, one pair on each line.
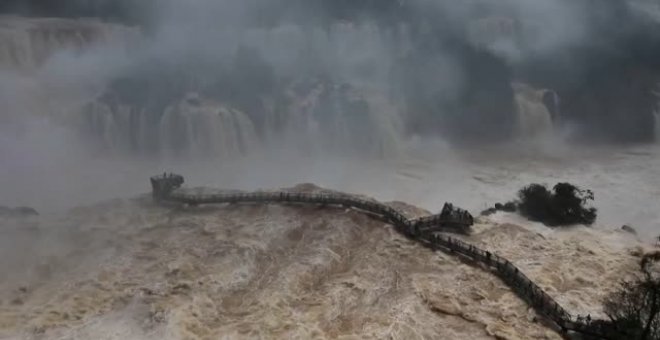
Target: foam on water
127,268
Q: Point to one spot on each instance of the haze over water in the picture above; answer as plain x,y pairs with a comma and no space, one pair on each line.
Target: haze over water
414,103
91,108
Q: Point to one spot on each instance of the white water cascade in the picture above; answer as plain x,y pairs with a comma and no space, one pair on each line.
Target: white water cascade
198,128
309,115
192,126
328,116
656,115
119,128
26,44
535,120
51,67
320,118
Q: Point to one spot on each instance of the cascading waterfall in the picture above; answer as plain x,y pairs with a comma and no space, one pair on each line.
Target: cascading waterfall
191,126
312,115
656,115
340,118
25,44
534,118
323,117
657,126
387,120
197,127
122,127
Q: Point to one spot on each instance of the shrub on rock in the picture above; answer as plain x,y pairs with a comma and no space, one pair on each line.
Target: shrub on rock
564,205
17,212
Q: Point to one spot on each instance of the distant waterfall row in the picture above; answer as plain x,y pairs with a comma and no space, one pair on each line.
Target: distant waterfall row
322,118
315,118
27,44
187,127
192,118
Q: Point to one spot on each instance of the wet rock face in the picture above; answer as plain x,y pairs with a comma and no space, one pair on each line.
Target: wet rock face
449,85
616,105
629,229
466,98
607,84
153,112
17,212
26,44
506,207
127,11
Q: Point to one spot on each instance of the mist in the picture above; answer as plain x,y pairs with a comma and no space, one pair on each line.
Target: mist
259,93
414,103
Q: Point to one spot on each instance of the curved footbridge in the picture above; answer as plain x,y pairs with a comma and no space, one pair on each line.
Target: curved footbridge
425,230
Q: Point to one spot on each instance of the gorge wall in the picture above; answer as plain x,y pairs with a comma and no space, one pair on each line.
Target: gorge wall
26,44
350,78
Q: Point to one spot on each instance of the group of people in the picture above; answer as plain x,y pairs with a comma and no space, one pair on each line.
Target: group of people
456,214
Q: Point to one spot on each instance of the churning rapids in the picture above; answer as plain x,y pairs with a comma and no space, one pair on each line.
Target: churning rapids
129,269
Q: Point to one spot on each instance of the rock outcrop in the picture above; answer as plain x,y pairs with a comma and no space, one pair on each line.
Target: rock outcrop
17,212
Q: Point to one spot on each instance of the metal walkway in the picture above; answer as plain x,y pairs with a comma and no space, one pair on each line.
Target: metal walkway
424,230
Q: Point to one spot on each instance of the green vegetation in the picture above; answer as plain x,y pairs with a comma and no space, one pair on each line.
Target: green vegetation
563,206
633,310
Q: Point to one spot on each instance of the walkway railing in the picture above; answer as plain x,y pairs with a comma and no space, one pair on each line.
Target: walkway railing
509,273
423,230
451,218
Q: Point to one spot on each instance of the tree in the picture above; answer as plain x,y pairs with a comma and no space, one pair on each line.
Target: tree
634,310
565,205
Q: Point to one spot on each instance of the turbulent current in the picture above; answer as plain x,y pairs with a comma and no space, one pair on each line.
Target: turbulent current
129,269
73,133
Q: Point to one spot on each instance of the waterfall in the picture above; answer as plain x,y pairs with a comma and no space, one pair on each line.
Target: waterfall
313,115
199,128
656,114
118,128
385,117
657,126
339,118
189,127
25,44
320,118
535,119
